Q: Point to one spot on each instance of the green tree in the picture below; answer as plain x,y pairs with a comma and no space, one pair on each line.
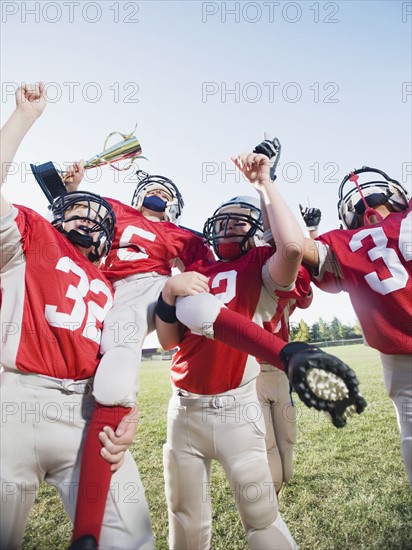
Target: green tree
356,329
322,329
293,331
314,332
302,334
346,332
336,329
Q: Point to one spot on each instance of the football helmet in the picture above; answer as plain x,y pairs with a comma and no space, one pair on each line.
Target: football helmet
172,209
99,212
216,231
376,187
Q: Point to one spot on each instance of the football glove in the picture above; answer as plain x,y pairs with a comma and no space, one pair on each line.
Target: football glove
322,381
272,149
311,217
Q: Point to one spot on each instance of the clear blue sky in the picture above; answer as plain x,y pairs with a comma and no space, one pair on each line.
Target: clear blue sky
204,80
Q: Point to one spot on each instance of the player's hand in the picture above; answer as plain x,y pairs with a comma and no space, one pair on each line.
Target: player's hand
30,100
255,167
311,217
115,444
73,176
184,284
271,148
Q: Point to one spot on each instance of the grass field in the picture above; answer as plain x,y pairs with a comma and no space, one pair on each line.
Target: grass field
349,490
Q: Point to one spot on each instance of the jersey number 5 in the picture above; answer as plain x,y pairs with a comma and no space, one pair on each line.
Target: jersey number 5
126,254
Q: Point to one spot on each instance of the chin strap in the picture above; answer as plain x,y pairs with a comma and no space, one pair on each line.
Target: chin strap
85,241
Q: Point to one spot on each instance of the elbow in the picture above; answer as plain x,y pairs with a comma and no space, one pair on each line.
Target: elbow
168,346
168,334
293,252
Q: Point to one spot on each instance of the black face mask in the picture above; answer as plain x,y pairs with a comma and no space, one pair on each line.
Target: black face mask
155,203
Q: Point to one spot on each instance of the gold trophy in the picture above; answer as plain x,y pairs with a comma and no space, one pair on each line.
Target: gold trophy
52,181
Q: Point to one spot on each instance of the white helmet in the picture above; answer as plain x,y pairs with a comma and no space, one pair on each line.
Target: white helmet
172,209
241,209
99,212
375,190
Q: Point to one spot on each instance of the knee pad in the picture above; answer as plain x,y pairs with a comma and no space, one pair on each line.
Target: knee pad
199,312
116,380
254,493
275,537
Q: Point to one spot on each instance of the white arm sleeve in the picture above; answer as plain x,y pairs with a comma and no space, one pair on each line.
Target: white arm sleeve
199,312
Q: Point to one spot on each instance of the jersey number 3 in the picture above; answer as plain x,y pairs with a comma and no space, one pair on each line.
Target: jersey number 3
82,309
399,275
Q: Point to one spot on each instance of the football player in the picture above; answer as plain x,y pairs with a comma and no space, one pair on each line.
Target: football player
214,412
140,243
371,260
54,302
138,265
274,392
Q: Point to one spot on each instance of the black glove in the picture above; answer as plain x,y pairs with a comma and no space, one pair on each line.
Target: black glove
311,217
270,148
322,381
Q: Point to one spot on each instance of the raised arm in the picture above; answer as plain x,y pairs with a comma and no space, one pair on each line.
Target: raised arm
311,217
30,103
287,233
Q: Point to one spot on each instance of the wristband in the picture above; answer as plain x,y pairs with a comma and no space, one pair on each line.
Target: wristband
165,312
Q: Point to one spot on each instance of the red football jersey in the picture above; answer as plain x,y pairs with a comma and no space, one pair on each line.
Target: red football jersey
141,245
206,366
283,328
373,264
54,300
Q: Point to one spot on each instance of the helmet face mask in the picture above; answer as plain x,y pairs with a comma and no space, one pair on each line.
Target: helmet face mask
377,188
98,220
172,209
229,243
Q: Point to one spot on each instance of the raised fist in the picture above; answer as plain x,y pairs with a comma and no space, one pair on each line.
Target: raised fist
271,149
311,217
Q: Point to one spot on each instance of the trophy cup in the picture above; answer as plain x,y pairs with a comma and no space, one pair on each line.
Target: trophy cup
52,181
